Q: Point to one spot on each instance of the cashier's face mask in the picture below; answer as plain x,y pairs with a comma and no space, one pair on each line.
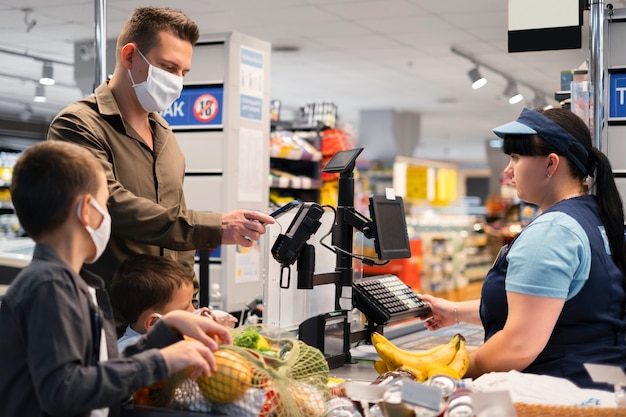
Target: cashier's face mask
159,90
99,236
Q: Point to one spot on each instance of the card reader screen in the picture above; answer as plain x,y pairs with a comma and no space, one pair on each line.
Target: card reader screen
334,333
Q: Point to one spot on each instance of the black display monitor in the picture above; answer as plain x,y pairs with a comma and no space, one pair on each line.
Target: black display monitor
342,161
391,240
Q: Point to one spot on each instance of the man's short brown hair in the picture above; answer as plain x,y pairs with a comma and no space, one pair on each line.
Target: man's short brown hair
146,281
47,179
146,24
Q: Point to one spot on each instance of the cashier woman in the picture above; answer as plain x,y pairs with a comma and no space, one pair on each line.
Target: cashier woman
555,297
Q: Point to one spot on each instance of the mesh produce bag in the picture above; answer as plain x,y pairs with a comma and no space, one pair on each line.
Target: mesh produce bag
277,377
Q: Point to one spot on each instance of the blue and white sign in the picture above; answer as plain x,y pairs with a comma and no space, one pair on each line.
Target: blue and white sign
196,108
617,96
250,107
251,84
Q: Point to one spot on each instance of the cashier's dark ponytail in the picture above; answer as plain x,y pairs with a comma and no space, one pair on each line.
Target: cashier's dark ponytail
602,184
610,207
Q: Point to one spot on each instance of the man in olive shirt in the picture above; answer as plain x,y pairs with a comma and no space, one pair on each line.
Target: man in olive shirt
143,162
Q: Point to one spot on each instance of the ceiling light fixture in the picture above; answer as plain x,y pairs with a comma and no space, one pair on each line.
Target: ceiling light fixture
47,74
30,23
40,94
285,48
27,113
512,93
36,57
512,83
540,102
30,79
478,80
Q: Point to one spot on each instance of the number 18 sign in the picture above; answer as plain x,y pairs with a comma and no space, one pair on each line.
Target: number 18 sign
196,108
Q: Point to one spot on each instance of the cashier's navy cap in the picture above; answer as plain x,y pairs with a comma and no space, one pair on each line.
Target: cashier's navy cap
532,122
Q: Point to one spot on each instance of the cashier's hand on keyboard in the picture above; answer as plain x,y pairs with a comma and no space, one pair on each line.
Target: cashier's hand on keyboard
443,312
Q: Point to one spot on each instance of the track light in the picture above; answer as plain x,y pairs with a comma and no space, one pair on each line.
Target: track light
516,98
40,94
540,102
512,93
47,74
477,79
27,113
30,23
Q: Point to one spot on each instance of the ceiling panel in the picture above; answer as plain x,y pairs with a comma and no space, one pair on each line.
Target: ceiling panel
425,23
362,54
374,8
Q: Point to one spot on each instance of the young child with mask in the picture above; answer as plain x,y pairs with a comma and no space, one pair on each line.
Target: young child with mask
146,287
57,340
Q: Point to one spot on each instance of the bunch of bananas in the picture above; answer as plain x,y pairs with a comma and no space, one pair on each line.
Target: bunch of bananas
450,358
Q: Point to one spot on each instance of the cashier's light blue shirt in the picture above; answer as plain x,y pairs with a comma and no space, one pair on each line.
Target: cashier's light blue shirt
550,258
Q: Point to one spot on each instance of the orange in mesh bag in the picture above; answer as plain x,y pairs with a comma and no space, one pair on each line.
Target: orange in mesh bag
293,375
227,384
230,381
277,377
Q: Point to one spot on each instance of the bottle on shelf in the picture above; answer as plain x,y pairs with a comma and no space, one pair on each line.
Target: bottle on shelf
216,301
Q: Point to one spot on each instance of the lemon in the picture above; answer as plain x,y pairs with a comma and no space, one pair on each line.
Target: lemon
262,344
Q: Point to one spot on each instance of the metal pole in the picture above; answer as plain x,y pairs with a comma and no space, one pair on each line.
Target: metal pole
596,67
101,65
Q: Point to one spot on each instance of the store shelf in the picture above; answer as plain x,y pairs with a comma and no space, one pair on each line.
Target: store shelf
296,183
293,154
295,161
9,224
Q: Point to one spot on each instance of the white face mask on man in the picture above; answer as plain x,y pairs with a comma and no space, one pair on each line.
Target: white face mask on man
159,90
101,235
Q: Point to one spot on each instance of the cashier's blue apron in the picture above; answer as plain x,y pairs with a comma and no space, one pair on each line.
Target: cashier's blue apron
590,328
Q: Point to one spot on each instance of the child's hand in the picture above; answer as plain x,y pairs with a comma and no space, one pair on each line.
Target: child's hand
203,329
189,354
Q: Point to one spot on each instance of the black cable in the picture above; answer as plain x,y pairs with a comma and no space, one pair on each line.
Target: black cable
331,228
365,259
361,257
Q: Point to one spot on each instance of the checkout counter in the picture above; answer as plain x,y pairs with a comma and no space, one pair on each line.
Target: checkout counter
312,284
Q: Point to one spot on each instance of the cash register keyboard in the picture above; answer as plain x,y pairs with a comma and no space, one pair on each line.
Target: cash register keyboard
385,298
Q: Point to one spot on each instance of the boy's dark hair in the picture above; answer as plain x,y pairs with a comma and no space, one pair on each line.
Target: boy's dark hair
47,179
145,281
146,24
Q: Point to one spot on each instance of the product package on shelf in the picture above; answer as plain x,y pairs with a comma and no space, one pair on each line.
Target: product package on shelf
333,141
582,101
288,145
295,160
